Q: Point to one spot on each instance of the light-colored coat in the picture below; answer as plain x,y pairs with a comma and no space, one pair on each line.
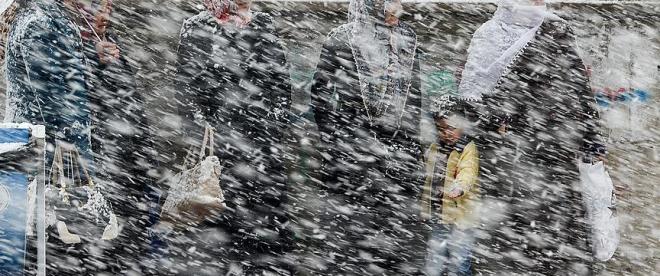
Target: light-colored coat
462,171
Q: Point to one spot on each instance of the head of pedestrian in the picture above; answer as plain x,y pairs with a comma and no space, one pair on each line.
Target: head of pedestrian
450,127
392,10
451,122
243,7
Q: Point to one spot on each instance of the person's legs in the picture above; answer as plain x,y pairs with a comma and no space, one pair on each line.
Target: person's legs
437,257
460,251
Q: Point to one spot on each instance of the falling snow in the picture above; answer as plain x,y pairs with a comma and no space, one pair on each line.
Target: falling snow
338,137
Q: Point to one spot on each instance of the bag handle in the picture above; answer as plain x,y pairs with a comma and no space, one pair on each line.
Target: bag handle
83,166
207,143
57,169
74,160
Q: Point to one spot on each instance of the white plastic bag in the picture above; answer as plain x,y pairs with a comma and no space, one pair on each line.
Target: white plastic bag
195,193
598,196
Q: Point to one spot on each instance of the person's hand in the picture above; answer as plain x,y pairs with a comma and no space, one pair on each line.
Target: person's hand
455,192
502,129
621,190
107,51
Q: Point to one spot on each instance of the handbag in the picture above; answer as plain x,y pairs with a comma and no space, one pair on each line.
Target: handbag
195,194
77,207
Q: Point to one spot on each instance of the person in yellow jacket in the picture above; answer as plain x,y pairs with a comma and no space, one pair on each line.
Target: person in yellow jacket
450,196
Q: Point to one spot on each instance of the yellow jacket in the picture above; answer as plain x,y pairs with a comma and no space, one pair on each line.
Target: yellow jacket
462,171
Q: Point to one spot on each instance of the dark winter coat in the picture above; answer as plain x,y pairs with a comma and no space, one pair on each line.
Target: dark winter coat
46,82
533,214
123,146
47,85
236,80
369,172
120,134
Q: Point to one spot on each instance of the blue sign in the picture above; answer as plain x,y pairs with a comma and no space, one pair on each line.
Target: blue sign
14,135
607,97
13,219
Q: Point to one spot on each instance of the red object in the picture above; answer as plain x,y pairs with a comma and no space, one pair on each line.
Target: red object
613,94
221,9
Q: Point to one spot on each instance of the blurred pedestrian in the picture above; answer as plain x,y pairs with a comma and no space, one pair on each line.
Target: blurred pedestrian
450,198
232,75
367,104
8,12
121,137
531,89
46,82
47,85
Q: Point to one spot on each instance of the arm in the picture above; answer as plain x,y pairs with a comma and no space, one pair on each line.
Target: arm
410,136
467,171
322,92
415,109
468,168
280,95
277,72
188,81
577,80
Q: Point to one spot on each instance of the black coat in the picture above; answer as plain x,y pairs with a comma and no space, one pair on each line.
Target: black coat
46,82
237,81
123,147
531,172
369,195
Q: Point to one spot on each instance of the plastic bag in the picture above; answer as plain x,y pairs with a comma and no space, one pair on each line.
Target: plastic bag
195,193
598,196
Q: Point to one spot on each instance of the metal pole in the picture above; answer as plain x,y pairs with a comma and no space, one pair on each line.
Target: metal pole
39,133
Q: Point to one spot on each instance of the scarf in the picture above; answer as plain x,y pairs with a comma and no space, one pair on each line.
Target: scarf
384,57
5,4
496,44
8,13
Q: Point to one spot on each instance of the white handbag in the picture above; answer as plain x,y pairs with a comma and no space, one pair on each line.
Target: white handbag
195,193
75,202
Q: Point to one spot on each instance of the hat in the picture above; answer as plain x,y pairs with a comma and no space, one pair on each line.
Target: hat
443,105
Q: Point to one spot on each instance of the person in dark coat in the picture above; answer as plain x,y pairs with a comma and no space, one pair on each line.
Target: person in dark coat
121,137
232,75
367,105
46,82
47,85
531,91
